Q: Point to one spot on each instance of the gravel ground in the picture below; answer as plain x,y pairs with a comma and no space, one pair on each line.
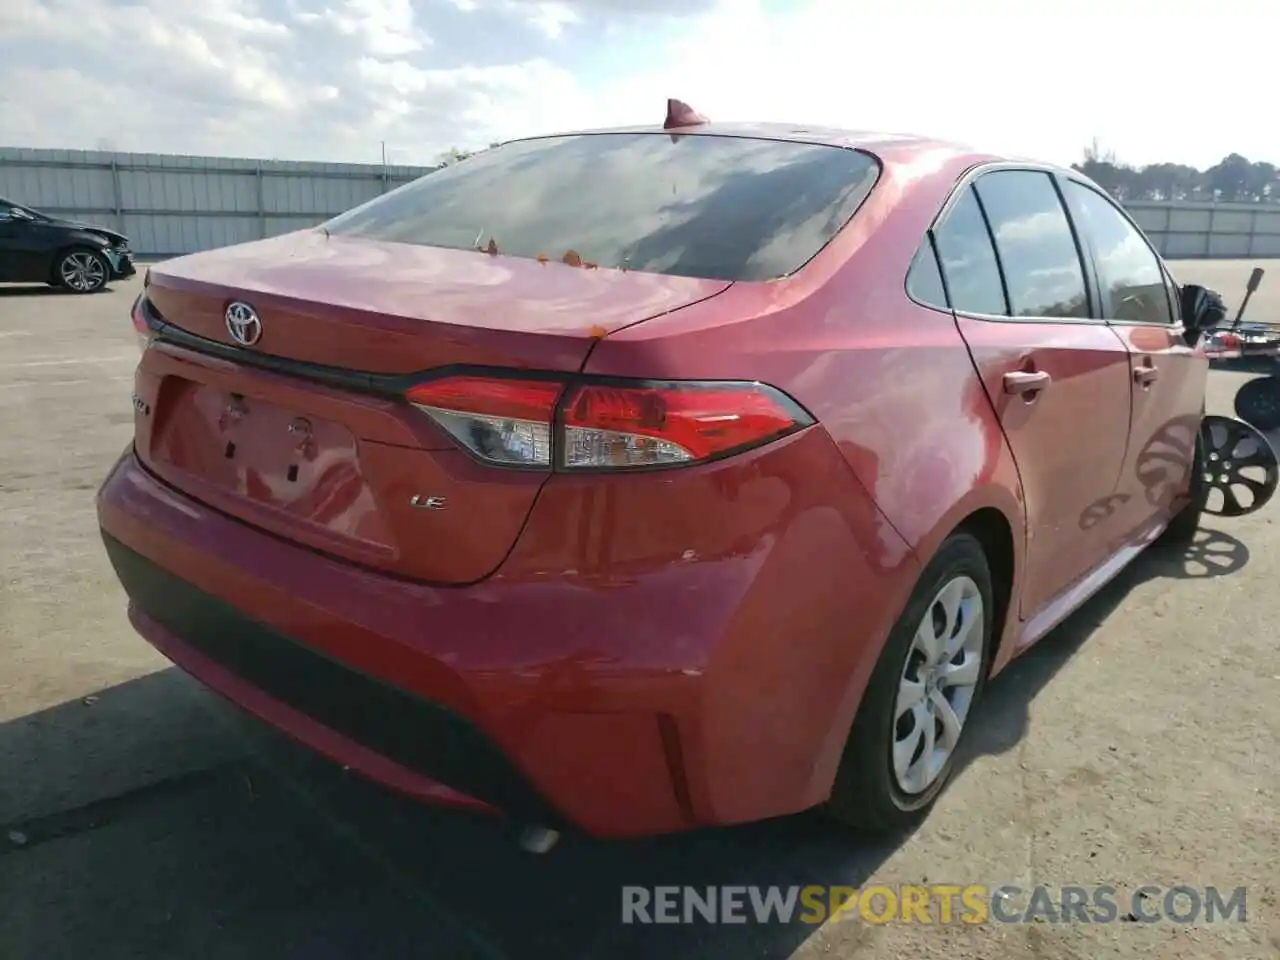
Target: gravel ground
140,817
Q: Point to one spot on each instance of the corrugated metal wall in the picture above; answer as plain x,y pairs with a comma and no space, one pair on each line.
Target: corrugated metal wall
1191,231
169,204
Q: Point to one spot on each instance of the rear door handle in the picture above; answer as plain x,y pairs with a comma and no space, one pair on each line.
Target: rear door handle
1145,376
1022,382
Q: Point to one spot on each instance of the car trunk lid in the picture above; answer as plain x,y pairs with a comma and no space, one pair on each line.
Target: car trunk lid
306,433
398,308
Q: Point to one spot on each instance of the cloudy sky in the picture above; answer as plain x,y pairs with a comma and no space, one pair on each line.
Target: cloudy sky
332,79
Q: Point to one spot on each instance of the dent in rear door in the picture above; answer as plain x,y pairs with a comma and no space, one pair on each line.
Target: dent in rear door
1058,382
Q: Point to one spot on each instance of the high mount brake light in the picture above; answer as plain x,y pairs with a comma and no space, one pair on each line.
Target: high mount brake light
588,425
141,325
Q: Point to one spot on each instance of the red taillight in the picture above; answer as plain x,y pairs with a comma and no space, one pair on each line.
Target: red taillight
642,426
502,421
141,325
595,425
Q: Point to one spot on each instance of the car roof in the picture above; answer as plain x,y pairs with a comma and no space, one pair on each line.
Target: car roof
889,147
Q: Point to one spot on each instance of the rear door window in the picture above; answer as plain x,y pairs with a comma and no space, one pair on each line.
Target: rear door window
969,260
717,207
1133,284
1037,248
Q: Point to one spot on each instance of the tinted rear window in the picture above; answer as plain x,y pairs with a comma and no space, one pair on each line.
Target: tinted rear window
725,208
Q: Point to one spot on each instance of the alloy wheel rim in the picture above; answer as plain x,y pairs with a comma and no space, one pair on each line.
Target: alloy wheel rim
937,685
82,271
1232,447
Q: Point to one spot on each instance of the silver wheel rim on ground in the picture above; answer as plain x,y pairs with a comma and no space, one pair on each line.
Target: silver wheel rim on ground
937,684
83,271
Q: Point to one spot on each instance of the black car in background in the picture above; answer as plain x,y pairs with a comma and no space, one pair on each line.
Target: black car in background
79,257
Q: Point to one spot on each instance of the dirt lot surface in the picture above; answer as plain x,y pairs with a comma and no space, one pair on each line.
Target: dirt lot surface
140,817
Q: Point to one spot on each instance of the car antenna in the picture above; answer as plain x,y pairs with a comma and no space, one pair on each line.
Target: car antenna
680,114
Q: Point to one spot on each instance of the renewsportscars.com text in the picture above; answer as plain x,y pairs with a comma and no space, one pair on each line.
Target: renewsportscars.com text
932,904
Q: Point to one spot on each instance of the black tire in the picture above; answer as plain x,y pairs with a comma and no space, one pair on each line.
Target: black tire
1258,403
866,794
81,270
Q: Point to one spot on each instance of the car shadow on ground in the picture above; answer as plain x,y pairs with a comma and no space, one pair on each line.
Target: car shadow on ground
242,845
1003,715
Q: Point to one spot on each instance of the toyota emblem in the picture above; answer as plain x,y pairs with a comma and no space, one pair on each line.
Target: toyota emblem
243,324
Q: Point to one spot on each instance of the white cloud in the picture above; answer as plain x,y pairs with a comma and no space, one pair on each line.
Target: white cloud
1039,78
548,17
387,28
552,17
330,79
323,79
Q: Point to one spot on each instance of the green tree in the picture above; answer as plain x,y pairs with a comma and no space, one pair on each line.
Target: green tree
1234,179
1167,181
1229,178
1262,177
1101,167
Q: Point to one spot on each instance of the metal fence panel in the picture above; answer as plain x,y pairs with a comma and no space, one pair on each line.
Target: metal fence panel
1181,246
1268,222
1199,230
169,204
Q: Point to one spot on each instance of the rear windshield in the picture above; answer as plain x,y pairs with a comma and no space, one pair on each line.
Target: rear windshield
724,208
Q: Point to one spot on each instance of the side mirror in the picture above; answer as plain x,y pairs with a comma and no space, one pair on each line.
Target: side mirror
1202,309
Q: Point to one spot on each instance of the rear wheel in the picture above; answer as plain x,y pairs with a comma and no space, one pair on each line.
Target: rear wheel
903,746
81,271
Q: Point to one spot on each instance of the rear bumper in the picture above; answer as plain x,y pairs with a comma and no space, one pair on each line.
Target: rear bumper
237,656
683,695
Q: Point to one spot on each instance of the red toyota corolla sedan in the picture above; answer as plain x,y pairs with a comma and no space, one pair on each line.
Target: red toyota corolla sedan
645,479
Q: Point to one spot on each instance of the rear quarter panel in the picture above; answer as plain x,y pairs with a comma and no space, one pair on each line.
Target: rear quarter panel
891,381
